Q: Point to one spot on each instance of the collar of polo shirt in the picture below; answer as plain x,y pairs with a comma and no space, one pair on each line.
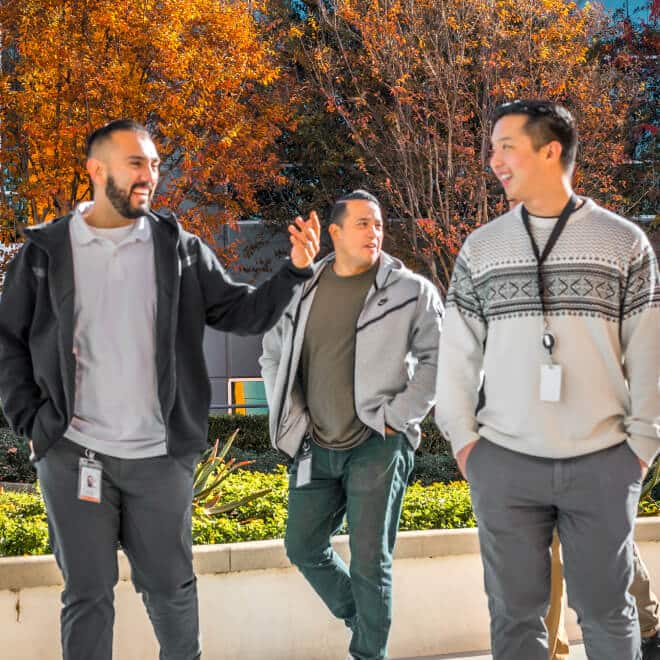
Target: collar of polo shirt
84,235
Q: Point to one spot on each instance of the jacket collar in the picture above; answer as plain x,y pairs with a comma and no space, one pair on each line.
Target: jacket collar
54,237
390,269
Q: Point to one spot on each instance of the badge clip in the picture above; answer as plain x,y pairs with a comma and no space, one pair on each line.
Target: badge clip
304,472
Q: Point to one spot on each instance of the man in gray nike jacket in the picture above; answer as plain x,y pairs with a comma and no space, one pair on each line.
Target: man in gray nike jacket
350,374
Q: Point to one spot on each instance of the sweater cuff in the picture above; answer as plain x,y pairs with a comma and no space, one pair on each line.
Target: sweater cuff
458,435
644,447
298,273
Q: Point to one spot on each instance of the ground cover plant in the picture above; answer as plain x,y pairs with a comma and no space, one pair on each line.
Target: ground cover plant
23,528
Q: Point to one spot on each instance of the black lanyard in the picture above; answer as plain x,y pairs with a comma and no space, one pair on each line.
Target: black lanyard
548,338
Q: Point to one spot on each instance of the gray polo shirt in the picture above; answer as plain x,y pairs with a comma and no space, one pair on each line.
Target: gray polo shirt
117,411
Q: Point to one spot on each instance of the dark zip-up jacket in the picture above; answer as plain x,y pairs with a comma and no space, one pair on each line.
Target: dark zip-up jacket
37,364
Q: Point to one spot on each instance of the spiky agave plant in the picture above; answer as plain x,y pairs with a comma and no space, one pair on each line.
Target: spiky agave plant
210,477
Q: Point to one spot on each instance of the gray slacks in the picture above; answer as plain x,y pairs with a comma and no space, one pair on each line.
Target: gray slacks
592,501
146,506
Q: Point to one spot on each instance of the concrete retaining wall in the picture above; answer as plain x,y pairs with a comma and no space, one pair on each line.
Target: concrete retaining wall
254,606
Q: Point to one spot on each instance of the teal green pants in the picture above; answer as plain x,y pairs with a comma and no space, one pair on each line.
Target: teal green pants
367,485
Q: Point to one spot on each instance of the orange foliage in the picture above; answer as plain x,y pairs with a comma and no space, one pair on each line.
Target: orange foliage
199,73
416,82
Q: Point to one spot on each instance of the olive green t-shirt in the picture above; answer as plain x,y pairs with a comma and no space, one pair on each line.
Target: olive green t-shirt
328,358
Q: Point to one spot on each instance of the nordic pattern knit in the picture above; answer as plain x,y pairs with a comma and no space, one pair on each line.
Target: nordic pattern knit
602,305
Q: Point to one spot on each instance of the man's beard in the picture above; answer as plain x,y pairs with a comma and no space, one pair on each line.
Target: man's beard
122,201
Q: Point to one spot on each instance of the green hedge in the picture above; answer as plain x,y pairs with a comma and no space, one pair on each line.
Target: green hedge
15,463
23,528
433,459
429,468
253,435
438,506
433,468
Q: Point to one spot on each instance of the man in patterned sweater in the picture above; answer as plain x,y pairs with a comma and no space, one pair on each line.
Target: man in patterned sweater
553,309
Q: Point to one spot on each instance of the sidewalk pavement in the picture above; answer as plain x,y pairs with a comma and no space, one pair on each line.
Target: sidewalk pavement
577,653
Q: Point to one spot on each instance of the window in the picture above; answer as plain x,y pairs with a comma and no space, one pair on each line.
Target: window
247,396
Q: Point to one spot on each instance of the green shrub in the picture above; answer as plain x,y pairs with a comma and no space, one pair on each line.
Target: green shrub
252,443
433,468
254,433
438,506
649,501
15,463
252,437
3,422
433,442
23,527
264,461
264,518
649,508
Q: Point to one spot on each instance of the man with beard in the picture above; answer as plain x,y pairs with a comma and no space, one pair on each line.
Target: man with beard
102,368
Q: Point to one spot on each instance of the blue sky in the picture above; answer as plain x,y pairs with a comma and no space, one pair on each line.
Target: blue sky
632,5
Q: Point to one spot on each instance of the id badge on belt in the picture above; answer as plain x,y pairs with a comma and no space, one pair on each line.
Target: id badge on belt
304,474
90,478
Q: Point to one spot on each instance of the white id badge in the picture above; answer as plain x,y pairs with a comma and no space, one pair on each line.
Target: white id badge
90,476
304,475
550,389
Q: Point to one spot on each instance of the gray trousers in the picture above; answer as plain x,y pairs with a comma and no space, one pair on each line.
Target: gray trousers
146,506
592,501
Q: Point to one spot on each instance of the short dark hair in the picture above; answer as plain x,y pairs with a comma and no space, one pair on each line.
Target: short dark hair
546,121
339,209
103,133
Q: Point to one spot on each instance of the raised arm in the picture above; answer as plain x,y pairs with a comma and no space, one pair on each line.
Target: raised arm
243,309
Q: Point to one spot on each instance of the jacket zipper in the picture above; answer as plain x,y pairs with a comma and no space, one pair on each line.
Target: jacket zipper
357,323
173,334
288,372
294,331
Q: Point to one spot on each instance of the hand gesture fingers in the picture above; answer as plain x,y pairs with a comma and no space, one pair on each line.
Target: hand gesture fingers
305,240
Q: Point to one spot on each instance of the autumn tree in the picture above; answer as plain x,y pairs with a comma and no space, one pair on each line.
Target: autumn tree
628,45
319,160
6,254
416,81
201,74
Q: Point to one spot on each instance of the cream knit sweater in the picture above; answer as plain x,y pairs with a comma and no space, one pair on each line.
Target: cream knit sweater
603,306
